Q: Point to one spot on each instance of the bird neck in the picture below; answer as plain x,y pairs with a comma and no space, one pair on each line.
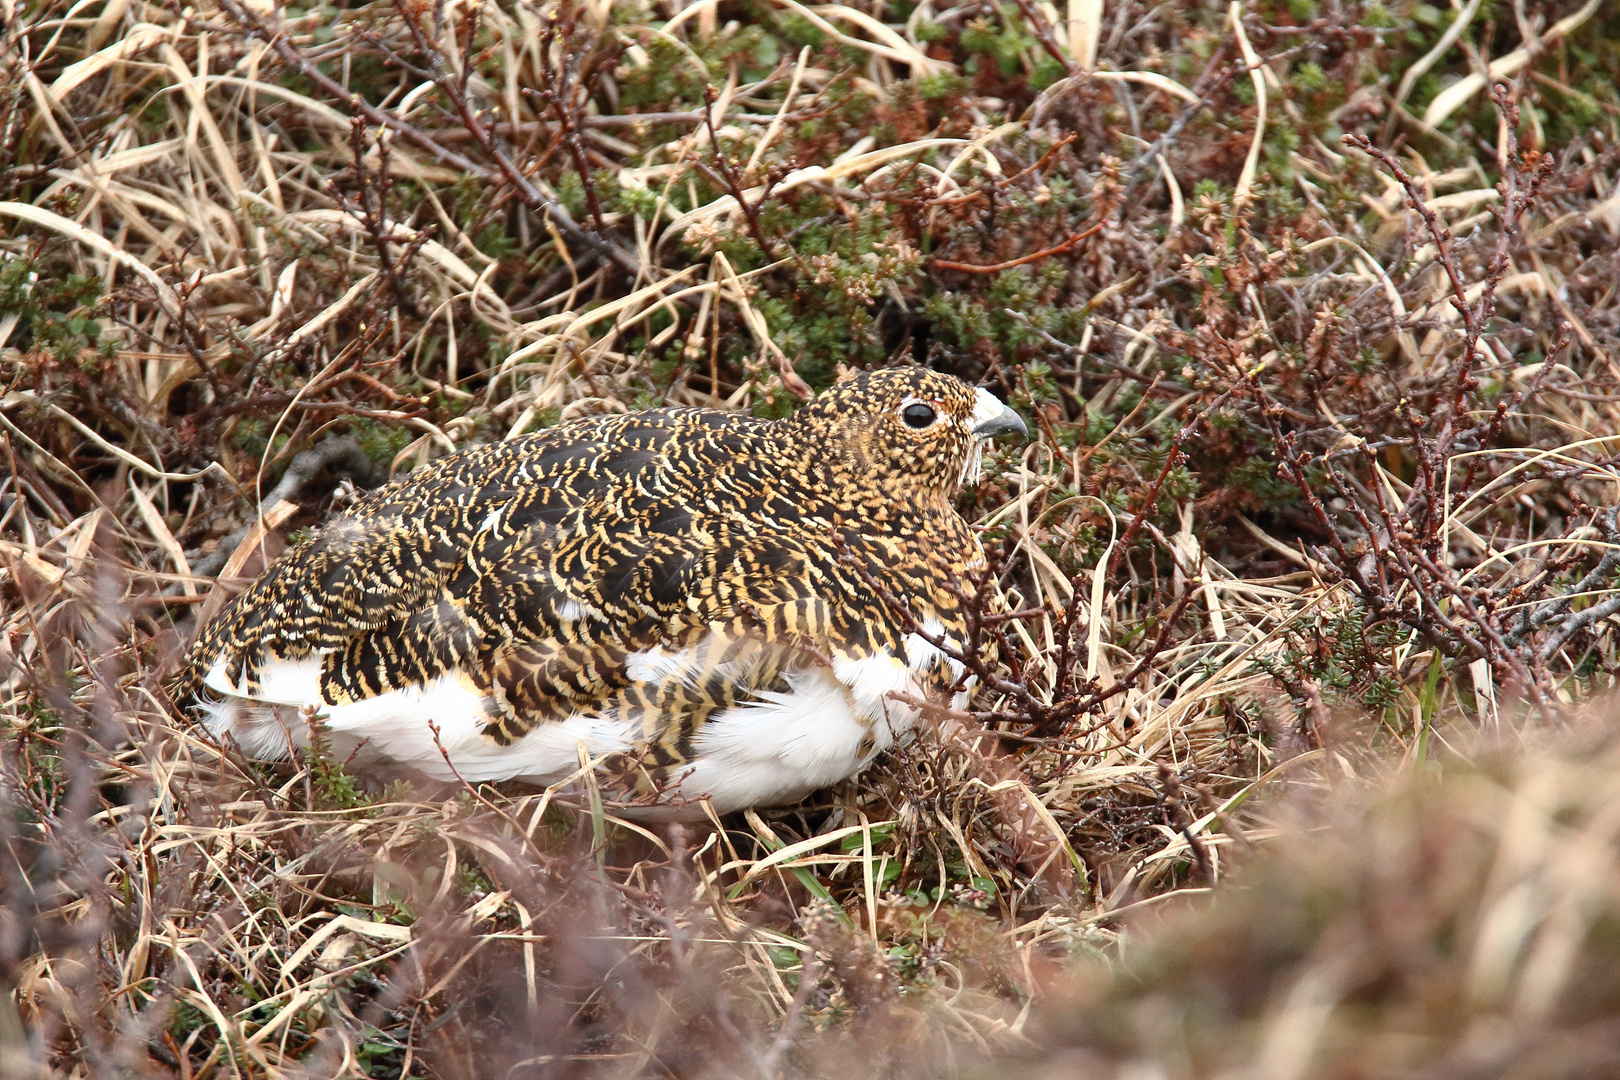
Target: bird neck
844,468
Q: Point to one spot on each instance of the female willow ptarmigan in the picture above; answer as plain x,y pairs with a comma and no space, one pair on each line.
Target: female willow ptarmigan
677,590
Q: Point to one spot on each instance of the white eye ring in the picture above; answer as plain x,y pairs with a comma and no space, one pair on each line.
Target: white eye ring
918,415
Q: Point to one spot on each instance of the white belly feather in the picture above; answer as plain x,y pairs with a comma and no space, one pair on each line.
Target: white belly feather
825,728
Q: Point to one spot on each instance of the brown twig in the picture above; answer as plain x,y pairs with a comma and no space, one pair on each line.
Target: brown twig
728,179
505,170
1150,499
1043,34
996,268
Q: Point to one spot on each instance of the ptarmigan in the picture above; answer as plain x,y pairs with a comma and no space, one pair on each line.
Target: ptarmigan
674,589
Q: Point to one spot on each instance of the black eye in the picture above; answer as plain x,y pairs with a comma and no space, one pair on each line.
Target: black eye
917,415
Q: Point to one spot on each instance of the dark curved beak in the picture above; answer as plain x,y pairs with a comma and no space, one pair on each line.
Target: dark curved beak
993,420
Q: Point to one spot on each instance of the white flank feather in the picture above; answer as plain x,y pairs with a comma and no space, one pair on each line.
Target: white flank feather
824,729
788,744
283,682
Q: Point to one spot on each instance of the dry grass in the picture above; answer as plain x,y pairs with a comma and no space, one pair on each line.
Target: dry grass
1254,401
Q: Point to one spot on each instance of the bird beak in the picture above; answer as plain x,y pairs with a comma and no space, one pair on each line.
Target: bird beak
992,419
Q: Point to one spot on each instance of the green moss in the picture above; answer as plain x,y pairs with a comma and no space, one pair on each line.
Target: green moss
56,309
940,84
381,442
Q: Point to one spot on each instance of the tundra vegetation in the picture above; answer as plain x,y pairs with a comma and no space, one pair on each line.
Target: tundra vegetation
1308,579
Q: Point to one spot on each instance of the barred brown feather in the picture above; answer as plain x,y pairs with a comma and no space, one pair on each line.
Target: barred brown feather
538,569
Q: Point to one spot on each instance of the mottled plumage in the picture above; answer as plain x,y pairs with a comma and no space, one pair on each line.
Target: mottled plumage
673,588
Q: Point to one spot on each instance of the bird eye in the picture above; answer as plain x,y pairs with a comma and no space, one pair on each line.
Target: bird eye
917,415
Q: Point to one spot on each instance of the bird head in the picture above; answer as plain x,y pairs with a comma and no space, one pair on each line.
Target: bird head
909,429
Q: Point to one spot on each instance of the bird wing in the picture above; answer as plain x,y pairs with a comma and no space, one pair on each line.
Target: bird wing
416,577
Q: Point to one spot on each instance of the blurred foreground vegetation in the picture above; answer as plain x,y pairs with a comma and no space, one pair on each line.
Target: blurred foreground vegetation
1313,305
